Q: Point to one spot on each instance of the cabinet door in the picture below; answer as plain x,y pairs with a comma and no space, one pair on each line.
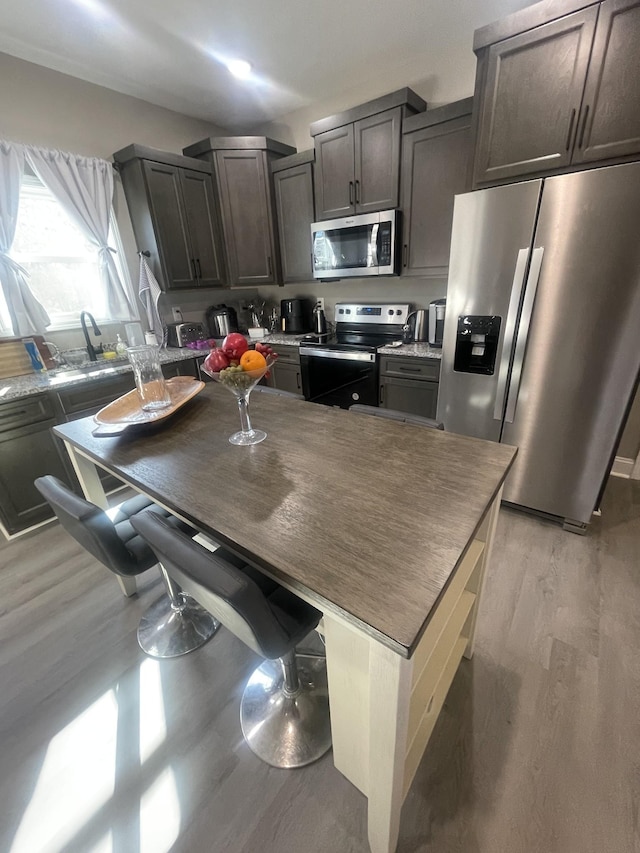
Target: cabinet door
170,224
610,117
25,454
435,167
181,368
377,161
531,98
334,173
294,209
409,395
203,224
286,377
246,217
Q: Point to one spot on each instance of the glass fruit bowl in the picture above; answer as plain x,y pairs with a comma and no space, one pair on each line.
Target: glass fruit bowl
240,383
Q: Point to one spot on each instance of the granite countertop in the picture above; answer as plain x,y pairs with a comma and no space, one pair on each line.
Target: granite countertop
53,380
282,340
412,350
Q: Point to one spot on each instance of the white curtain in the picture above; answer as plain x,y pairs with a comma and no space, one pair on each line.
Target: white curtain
28,317
84,187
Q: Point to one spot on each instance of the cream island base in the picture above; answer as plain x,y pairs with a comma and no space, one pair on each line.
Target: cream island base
391,656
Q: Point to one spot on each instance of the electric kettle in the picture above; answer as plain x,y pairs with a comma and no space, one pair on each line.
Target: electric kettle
416,327
319,320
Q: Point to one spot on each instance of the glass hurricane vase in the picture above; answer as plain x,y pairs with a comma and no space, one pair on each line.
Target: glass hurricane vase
241,383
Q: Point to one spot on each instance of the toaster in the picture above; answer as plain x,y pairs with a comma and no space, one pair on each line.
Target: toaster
181,334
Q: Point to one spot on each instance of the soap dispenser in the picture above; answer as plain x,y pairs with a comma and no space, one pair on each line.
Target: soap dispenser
121,347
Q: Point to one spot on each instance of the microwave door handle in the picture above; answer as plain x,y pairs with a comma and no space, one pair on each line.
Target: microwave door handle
509,332
375,236
523,332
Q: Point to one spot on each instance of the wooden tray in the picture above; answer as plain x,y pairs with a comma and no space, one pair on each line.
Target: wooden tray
126,410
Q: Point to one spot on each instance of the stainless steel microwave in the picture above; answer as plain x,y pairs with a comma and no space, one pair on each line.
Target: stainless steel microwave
360,245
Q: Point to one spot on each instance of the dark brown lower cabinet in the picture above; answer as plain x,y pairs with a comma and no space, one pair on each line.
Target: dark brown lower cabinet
285,374
28,450
87,399
409,385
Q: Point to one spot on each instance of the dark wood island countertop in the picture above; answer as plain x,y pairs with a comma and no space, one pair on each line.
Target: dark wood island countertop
366,517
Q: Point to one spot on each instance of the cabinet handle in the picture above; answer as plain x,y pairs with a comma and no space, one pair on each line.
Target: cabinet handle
409,369
405,254
298,385
270,265
193,269
199,268
357,192
584,126
381,394
570,131
351,192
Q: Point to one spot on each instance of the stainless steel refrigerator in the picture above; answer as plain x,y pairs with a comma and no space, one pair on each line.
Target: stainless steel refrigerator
541,344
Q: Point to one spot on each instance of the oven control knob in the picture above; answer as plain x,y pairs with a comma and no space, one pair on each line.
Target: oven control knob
390,312
340,310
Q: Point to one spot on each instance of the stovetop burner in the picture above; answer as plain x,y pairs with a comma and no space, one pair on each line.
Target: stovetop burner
362,327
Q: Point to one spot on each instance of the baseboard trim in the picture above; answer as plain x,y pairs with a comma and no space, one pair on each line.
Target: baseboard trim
623,467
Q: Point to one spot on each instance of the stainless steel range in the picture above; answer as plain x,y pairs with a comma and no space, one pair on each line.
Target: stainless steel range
343,370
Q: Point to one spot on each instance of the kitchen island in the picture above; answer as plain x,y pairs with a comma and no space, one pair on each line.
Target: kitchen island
384,527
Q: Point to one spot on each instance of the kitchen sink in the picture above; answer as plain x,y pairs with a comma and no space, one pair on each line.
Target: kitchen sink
92,368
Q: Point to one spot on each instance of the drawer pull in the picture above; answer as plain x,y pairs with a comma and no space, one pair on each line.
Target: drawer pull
410,369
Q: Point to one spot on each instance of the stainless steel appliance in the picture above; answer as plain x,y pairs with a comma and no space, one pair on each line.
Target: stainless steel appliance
221,320
295,316
360,245
417,326
437,313
541,332
319,322
181,334
344,370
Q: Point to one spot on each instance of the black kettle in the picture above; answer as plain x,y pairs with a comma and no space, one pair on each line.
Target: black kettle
319,320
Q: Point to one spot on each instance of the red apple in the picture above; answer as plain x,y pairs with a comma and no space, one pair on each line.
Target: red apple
216,361
234,345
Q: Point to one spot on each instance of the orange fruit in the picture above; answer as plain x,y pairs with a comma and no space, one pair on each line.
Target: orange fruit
252,360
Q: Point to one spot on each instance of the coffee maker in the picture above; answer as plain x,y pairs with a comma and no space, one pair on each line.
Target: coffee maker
437,310
294,316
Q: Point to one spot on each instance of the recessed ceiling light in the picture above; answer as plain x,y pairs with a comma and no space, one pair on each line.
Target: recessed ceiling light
239,68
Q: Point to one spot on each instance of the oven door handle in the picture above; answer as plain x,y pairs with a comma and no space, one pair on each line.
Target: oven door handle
307,352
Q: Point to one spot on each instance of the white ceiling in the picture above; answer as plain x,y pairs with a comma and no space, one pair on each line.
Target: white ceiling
171,53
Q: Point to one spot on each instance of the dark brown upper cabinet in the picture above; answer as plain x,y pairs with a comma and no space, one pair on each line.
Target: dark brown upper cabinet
557,87
172,203
610,119
358,156
436,165
293,185
242,169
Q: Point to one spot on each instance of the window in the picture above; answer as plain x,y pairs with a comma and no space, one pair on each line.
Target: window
62,263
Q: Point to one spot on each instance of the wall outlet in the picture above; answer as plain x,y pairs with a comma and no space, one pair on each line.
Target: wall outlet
320,302
177,314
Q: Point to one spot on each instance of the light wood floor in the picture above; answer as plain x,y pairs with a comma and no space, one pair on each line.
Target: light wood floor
537,748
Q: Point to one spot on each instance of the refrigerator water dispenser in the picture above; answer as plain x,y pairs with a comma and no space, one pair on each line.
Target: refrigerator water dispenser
477,344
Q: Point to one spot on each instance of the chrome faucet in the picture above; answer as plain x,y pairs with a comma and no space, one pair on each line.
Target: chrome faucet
96,331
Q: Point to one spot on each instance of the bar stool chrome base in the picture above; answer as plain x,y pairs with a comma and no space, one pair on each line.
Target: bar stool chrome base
168,631
287,727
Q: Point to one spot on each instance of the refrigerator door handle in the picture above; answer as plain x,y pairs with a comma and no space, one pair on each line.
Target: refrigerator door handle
509,332
523,332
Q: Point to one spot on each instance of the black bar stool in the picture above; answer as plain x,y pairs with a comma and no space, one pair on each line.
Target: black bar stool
174,625
284,711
